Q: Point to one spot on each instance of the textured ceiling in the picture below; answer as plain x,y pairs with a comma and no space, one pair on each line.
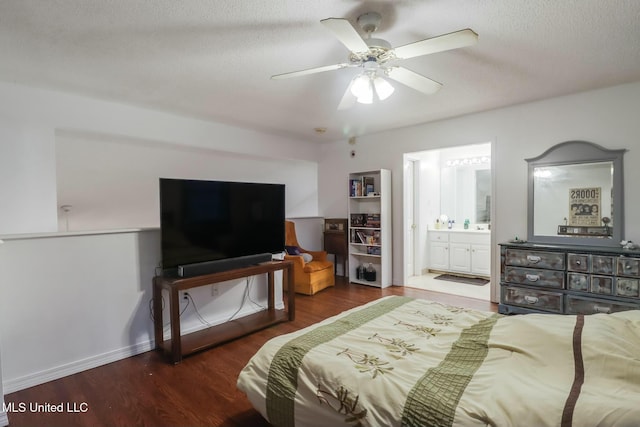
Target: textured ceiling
213,59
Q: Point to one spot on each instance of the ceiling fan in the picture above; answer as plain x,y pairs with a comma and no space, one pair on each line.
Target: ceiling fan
378,59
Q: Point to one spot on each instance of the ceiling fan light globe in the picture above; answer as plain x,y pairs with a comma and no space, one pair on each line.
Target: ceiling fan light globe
384,89
366,99
366,95
361,87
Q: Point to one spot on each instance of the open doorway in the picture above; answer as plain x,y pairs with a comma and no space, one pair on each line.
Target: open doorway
447,220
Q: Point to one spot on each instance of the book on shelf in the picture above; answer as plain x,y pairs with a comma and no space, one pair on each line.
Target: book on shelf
365,220
359,187
373,220
365,237
355,188
367,185
358,220
374,250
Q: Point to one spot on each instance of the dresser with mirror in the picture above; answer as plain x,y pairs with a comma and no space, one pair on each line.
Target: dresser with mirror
572,261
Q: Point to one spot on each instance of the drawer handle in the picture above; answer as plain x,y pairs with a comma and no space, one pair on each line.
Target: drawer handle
531,300
533,277
578,262
534,259
601,309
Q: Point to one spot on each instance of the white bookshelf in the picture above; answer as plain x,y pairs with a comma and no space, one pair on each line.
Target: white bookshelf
370,226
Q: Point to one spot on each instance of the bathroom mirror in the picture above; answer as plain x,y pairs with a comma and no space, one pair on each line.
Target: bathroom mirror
465,193
575,195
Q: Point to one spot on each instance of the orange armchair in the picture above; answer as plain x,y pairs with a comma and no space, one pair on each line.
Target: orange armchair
312,276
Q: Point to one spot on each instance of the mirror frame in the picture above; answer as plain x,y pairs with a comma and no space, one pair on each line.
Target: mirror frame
571,153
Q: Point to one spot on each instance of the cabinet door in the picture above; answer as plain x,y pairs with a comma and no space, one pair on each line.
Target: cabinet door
438,256
481,259
460,257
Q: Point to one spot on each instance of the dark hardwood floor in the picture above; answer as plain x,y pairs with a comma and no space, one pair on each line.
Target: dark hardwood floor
144,390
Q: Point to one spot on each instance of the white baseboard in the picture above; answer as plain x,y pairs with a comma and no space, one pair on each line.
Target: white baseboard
61,371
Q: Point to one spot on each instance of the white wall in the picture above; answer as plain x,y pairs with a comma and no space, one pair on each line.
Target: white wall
30,120
27,177
606,117
111,181
68,302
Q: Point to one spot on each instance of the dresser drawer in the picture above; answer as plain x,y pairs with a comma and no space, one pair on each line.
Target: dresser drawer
532,298
537,259
535,277
601,285
585,263
626,287
585,305
628,266
602,264
578,282
578,262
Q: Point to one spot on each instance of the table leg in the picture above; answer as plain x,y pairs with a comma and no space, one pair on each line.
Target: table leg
174,309
157,314
291,309
270,292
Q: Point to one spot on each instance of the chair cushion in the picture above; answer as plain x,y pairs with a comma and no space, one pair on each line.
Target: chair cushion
312,266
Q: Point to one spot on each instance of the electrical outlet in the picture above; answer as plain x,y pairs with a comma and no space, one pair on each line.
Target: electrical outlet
185,298
214,291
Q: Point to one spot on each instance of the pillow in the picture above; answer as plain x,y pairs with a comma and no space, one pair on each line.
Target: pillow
306,257
292,250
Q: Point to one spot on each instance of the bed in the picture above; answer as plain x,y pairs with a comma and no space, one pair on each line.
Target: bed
399,361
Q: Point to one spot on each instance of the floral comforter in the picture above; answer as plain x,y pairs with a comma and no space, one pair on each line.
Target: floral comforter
400,361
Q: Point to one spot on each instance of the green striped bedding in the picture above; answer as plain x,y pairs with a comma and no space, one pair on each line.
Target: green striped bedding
400,361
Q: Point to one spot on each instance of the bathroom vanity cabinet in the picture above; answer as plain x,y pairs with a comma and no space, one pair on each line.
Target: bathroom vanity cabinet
460,251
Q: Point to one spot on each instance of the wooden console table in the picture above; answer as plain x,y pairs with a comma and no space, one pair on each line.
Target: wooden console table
181,345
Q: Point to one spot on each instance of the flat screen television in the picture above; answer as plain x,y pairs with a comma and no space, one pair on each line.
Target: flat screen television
211,226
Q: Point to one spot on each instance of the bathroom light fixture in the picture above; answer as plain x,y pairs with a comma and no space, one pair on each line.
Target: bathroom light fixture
468,161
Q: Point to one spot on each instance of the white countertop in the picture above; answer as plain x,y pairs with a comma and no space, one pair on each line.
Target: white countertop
461,230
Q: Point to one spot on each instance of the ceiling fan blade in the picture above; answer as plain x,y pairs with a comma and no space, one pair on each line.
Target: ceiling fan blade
348,99
309,71
441,43
414,80
344,31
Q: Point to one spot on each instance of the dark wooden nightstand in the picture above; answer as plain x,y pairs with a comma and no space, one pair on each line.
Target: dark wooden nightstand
335,241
